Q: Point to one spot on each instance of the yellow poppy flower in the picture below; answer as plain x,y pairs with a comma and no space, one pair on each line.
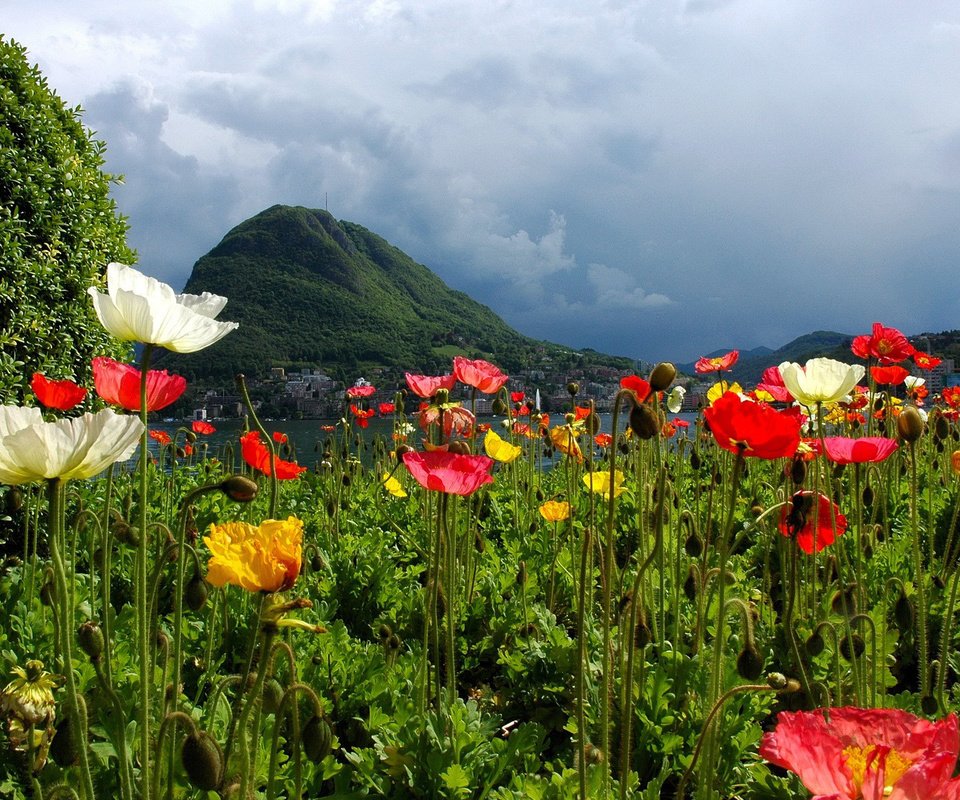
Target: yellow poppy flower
258,558
499,449
720,388
599,482
555,511
565,441
392,485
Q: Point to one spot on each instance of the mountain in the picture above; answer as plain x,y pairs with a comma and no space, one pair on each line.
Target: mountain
752,363
309,290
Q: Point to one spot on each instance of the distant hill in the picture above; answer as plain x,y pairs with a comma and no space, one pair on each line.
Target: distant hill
752,363
309,290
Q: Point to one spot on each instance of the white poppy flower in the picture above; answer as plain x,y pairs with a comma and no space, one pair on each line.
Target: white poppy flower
912,382
139,308
81,447
675,399
821,380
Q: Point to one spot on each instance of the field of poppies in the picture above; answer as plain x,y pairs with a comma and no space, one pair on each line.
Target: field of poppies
760,604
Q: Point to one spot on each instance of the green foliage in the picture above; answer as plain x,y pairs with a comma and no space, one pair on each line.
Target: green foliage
58,231
307,289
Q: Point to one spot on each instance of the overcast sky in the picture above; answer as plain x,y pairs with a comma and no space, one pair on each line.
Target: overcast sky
654,179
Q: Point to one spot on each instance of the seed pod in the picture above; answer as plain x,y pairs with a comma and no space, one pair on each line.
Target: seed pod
317,739
749,663
662,375
196,591
239,488
910,424
644,422
90,637
202,760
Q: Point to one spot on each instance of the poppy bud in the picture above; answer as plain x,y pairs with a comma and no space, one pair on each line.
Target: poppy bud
394,642
662,376
941,428
867,495
272,696
202,761
14,500
691,584
460,447
928,705
903,612
593,423
573,388
644,422
239,488
693,546
90,637
317,739
594,754
385,632
910,424
642,636
814,644
749,663
196,591
345,479
442,396
852,646
65,745
499,407
316,563
844,601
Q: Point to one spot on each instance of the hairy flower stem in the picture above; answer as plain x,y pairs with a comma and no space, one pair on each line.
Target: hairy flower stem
55,494
923,663
142,571
585,548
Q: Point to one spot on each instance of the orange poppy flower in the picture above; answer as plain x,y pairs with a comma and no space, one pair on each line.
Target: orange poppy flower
890,375
160,437
203,428
60,395
256,454
361,416
716,364
480,374
925,360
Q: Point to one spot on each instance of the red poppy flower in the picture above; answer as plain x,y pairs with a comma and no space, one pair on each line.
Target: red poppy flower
717,364
279,437
160,437
386,409
951,396
328,428
187,450
119,385
813,528
202,428
483,427
362,416
442,471
481,375
891,375
771,382
427,386
517,397
867,752
680,423
581,412
522,429
360,391
753,429
858,400
887,345
925,360
843,450
637,385
60,395
256,454
603,440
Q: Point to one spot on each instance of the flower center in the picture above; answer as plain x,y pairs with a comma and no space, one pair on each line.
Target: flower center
883,761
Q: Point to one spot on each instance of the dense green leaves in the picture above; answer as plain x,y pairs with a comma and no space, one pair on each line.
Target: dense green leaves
58,231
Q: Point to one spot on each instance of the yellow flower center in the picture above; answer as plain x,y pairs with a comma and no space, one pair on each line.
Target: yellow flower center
878,759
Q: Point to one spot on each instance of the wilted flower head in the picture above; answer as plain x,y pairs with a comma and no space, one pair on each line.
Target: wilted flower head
27,704
259,558
137,308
